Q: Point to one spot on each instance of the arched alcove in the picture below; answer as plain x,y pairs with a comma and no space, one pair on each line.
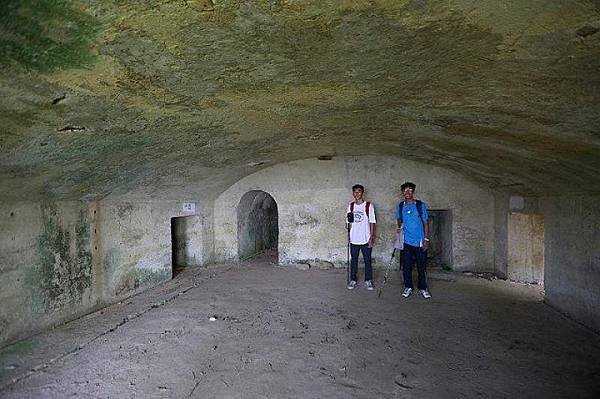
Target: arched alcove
258,225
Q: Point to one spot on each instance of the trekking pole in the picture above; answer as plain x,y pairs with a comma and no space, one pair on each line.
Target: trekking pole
398,245
386,273
348,258
349,221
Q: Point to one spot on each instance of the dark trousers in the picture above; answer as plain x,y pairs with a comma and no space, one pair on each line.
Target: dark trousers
366,252
411,254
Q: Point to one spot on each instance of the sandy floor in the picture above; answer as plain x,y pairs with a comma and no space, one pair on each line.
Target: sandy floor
286,333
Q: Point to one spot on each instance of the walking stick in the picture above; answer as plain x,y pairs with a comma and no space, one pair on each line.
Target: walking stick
348,259
386,273
398,245
349,221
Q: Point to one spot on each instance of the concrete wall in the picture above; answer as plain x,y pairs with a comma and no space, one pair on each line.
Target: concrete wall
46,270
525,248
137,248
188,240
257,223
572,256
61,260
312,197
501,210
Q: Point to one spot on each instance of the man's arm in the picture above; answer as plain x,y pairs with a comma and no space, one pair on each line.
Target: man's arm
372,239
426,239
425,219
372,222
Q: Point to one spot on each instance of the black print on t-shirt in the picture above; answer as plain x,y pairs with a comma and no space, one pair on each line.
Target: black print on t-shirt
358,216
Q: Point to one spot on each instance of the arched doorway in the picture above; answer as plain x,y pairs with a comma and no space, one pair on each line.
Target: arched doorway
258,228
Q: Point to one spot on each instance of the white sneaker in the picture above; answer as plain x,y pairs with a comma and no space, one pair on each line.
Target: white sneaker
406,293
425,294
351,285
369,285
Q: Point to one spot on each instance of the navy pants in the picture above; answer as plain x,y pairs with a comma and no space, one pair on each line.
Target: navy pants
366,252
411,254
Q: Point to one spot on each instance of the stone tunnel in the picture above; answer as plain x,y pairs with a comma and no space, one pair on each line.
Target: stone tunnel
145,140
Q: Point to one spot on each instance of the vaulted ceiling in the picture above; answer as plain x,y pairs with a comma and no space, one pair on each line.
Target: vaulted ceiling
170,98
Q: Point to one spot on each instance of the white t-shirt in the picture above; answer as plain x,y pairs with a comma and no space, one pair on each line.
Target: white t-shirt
360,230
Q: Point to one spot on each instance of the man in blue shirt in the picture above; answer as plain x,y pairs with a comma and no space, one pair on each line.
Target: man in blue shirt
412,218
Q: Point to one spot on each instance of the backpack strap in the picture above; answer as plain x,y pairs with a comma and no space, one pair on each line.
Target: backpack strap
367,208
419,205
400,207
420,208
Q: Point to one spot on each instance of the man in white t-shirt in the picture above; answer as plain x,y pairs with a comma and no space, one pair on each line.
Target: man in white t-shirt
362,235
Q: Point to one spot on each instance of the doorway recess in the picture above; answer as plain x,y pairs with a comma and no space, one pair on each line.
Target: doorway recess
258,225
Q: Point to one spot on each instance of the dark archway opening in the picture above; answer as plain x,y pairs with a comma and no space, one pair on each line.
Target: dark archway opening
440,228
185,244
258,225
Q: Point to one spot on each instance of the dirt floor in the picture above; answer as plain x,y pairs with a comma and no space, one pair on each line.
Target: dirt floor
255,330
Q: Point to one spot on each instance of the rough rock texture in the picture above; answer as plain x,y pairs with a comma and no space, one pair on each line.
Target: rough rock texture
134,107
115,97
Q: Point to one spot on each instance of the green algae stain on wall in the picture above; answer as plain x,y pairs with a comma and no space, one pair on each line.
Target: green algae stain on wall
64,269
46,35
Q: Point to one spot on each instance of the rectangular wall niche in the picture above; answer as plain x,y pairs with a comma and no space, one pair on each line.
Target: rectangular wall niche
525,248
440,231
186,242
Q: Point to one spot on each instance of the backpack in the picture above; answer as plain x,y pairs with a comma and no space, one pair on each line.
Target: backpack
367,207
419,204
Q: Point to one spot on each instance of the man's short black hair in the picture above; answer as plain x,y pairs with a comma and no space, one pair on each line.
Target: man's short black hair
356,186
409,185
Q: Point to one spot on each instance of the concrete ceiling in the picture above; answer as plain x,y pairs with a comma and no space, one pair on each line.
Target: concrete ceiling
178,98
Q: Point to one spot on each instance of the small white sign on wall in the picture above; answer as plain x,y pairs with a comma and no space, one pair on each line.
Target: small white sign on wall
189,207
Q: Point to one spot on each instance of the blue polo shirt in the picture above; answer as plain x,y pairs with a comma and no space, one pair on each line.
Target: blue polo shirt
413,226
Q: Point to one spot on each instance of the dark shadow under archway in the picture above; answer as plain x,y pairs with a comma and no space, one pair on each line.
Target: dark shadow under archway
185,243
258,224
440,231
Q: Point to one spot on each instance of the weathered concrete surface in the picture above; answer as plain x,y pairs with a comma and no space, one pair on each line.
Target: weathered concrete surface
525,247
257,224
290,333
507,245
312,197
137,247
63,259
188,247
144,102
501,209
180,99
572,256
46,270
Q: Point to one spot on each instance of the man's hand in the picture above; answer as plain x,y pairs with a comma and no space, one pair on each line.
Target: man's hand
371,242
425,245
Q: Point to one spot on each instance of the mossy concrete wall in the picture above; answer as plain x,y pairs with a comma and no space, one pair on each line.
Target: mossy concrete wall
572,256
137,248
60,260
46,270
312,196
